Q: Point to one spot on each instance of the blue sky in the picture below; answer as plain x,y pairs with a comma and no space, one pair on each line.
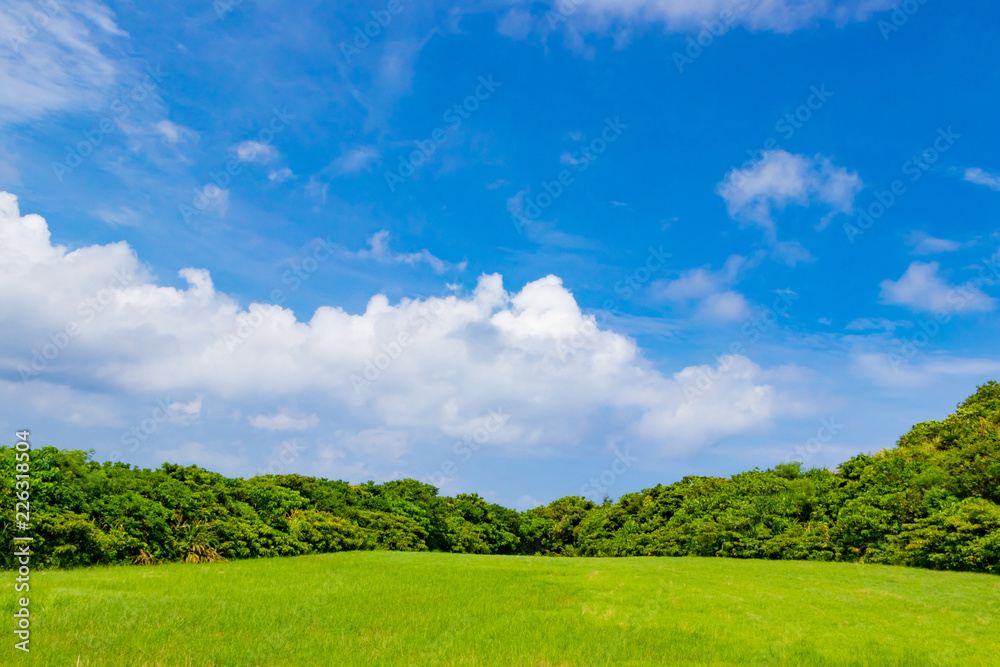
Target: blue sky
496,247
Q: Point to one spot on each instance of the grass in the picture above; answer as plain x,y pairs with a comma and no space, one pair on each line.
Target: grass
380,608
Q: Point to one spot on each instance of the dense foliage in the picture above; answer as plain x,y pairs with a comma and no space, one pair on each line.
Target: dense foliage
932,501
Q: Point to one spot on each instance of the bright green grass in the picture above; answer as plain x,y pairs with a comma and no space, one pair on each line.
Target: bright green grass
378,608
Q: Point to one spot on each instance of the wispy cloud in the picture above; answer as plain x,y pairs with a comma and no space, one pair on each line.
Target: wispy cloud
709,290
59,66
923,244
981,177
354,160
921,288
877,324
174,133
378,250
283,422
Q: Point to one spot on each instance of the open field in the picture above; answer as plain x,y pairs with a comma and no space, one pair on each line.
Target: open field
363,608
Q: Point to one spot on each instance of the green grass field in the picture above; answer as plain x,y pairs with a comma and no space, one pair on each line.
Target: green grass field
371,608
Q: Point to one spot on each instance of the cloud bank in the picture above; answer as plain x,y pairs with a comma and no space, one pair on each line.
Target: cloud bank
96,318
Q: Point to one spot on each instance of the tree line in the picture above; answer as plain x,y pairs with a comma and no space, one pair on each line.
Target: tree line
931,501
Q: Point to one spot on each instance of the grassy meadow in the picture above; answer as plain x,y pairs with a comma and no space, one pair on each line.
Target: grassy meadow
391,608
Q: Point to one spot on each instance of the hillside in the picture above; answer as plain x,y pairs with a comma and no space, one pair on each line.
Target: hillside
365,608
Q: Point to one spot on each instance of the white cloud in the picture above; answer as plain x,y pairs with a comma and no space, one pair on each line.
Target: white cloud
980,177
928,245
214,200
682,15
709,290
378,250
434,365
283,422
174,133
59,66
73,406
893,370
122,216
792,253
922,289
184,413
729,306
779,179
280,175
516,24
354,160
867,324
568,159
255,151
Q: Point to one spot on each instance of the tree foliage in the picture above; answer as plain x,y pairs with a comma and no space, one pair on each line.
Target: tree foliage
931,501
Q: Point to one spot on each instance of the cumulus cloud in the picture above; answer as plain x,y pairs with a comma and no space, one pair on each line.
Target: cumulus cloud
980,177
779,179
52,58
434,365
709,291
921,288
